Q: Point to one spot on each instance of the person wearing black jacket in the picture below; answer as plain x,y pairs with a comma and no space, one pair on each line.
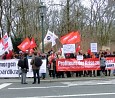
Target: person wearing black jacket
24,69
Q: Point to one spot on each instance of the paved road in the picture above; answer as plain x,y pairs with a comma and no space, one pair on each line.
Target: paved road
93,88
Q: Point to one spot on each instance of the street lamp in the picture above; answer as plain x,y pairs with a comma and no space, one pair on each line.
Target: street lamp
42,11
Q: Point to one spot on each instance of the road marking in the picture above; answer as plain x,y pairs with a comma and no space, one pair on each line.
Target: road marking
70,84
76,95
89,83
4,85
38,87
104,83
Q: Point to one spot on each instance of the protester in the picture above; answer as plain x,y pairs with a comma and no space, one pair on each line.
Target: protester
108,54
102,64
4,57
51,60
8,55
24,69
19,56
36,68
43,57
60,73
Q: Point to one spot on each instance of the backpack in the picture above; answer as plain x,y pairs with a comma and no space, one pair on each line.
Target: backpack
21,63
38,62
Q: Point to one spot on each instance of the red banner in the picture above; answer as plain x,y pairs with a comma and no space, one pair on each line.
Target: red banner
86,64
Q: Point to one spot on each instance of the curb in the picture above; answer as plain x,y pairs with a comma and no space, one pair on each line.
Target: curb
14,80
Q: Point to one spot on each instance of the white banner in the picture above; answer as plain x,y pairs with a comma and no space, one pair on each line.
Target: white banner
9,68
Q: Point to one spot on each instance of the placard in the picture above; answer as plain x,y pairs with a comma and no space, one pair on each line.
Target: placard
69,48
79,57
93,47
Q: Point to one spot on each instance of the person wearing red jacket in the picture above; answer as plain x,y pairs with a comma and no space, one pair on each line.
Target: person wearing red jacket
8,55
4,57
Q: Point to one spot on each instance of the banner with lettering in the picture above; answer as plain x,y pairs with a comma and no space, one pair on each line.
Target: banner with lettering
9,68
85,64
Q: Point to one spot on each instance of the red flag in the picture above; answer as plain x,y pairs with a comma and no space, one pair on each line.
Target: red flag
32,44
24,45
78,48
70,38
64,39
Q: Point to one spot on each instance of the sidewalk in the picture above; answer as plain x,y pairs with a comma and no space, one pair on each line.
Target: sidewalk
14,80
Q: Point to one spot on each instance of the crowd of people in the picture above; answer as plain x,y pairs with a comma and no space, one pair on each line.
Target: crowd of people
51,57
101,55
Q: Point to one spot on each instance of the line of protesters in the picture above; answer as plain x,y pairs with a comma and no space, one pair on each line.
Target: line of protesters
51,57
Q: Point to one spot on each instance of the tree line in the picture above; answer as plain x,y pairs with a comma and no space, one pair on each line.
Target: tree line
96,22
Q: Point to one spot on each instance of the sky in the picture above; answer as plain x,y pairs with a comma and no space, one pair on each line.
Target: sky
86,3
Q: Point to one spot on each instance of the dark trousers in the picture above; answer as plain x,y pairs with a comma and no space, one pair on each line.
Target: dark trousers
52,73
107,72
103,69
90,73
68,74
61,73
79,73
36,71
98,72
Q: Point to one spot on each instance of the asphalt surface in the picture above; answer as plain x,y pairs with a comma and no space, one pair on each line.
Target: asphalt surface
77,87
